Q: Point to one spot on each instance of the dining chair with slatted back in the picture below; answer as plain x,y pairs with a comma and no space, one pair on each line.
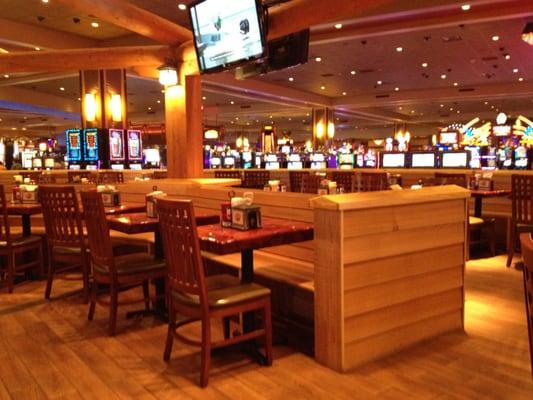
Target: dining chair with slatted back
345,180
373,181
521,210
11,247
77,176
311,183
295,180
110,177
193,295
255,179
118,272
64,233
526,242
451,179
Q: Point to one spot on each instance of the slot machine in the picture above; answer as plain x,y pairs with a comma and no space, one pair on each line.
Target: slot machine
246,159
346,160
370,159
116,148
318,161
521,158
228,162
91,148
295,161
272,161
135,149
74,148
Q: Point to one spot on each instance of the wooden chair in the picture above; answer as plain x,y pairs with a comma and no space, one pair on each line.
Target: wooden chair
527,255
76,176
344,179
255,179
14,249
373,181
295,180
122,272
444,178
521,212
311,183
228,174
110,177
64,232
197,297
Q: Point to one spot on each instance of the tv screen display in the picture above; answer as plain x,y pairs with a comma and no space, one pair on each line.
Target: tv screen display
393,160
455,159
227,33
423,160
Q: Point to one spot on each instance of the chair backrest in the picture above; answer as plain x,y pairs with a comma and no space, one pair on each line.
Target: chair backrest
522,199
373,181
97,230
295,180
311,183
110,177
76,176
177,226
62,219
344,179
444,178
526,243
255,179
5,232
228,174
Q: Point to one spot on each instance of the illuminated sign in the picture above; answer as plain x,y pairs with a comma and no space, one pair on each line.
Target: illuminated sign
501,130
448,138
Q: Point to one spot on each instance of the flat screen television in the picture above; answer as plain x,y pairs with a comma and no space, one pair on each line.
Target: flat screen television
454,159
423,160
227,33
393,160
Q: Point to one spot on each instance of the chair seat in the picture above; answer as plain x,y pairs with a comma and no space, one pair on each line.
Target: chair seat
19,241
223,291
134,263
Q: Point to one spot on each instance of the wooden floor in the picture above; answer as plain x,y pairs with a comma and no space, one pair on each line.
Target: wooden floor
49,350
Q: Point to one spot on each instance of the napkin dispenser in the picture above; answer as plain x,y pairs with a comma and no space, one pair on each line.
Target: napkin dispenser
110,195
245,217
29,194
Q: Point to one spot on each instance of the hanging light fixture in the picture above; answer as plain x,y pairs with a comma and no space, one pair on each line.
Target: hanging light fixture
168,74
527,33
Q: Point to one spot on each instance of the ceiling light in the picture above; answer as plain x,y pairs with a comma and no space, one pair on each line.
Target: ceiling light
396,89
458,112
465,7
158,101
168,74
515,71
520,79
507,57
399,49
95,24
232,102
353,72
379,82
322,87
338,26
527,33
23,129
399,108
455,84
182,6
442,105
486,102
318,59
344,93
6,76
424,65
37,48
495,38
3,51
62,88
45,1
291,79
203,97
451,108
443,76
79,98
412,111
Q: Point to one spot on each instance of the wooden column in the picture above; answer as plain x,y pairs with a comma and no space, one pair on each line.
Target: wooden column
183,124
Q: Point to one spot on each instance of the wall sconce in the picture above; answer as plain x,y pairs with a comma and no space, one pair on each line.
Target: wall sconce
168,74
90,107
527,33
211,134
331,130
116,107
320,130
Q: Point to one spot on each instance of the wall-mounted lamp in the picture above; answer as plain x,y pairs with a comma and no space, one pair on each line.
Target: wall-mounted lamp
320,130
168,74
331,130
90,107
211,134
527,33
116,107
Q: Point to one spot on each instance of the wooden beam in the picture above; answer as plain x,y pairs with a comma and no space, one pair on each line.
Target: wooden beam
80,59
128,16
34,78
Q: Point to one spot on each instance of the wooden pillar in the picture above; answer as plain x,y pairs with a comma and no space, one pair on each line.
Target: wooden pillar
183,125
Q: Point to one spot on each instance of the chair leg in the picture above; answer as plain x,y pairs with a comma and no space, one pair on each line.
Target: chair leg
170,333
146,294
206,352
113,309
226,327
10,259
86,271
267,317
41,260
92,306
492,238
510,246
49,281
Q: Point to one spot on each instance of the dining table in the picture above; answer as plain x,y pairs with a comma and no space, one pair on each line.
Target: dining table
479,195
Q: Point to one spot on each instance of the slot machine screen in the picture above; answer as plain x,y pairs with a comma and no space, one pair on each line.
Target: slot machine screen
134,145
215,162
49,163
346,158
74,144
285,149
27,159
229,161
118,167
247,156
151,156
116,145
423,160
91,144
37,163
393,160
454,159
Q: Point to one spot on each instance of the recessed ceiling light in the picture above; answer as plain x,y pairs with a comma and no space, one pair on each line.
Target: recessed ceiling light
344,93
451,108
37,48
44,1
353,72
182,6
307,114
443,76
442,105
399,108
465,7
13,129
23,129
520,79
318,59
396,89
62,88
495,38
232,102
322,87
412,111
338,26
203,97
492,107
95,24
458,112
158,101
507,57
291,79
149,108
424,65
399,49
515,71
6,76
455,84
79,98
379,82
486,102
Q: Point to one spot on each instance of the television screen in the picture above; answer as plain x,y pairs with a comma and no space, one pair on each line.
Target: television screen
393,160
346,158
455,159
423,160
227,33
